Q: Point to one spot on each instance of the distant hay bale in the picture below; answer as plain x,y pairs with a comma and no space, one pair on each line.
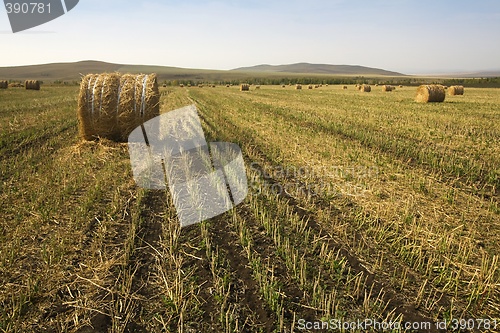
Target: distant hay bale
244,87
200,85
326,85
257,87
400,86
227,85
310,86
283,86
456,90
387,87
111,105
4,84
32,84
430,93
344,87
164,85
298,87
365,88
376,84
181,85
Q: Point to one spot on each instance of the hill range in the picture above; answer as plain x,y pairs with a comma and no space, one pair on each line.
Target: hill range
73,71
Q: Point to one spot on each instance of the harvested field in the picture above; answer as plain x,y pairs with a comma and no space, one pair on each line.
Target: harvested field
359,206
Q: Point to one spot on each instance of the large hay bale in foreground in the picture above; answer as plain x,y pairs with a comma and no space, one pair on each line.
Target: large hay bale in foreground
365,88
456,90
430,93
244,87
386,87
112,105
32,84
4,84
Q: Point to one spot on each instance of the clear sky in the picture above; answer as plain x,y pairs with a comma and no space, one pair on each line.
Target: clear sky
424,36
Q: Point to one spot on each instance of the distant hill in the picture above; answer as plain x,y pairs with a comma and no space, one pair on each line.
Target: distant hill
57,71
73,70
307,68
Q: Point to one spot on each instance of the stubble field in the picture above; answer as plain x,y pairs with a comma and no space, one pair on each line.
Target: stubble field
361,206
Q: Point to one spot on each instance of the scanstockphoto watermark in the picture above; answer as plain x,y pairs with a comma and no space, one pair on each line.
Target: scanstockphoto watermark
334,180
363,325
24,15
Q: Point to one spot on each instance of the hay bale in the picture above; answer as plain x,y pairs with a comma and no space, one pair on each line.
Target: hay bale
113,105
376,84
430,93
244,87
365,88
456,90
400,86
298,87
283,86
32,85
344,87
4,84
257,87
227,85
387,88
181,85
310,86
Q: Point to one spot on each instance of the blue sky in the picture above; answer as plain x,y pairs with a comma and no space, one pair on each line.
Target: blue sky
402,35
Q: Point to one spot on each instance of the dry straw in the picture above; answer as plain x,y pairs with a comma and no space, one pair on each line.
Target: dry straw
32,84
112,105
387,88
244,87
456,90
430,93
4,84
365,88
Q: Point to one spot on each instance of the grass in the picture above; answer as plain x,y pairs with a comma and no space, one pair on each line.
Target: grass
360,206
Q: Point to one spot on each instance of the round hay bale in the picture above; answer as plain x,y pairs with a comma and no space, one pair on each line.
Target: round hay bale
298,87
4,84
376,84
430,93
257,87
181,85
344,87
32,85
456,90
365,88
387,87
113,105
244,87
227,85
400,86
283,86
310,86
